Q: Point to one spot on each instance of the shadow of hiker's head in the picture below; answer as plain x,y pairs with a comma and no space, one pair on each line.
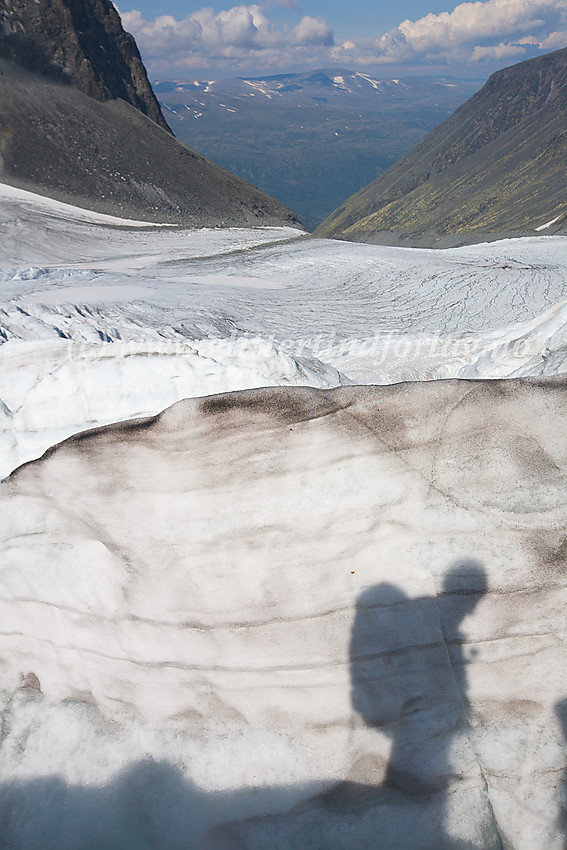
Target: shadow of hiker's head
464,585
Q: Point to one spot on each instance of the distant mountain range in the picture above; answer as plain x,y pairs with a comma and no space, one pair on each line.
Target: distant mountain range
309,139
495,168
79,122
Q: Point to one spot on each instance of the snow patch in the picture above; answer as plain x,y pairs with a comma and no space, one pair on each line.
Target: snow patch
42,202
88,295
549,223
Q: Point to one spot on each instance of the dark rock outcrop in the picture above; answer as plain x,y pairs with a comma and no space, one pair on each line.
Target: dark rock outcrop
81,42
493,168
79,122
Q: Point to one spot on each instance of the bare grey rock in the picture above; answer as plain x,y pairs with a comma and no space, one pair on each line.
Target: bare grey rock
81,43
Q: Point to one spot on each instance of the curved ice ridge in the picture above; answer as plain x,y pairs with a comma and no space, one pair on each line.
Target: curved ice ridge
117,379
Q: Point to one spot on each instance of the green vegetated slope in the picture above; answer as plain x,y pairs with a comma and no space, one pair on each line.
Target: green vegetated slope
495,167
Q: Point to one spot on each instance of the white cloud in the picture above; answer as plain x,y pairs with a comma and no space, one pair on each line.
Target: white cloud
471,21
313,31
233,34
241,26
485,31
554,41
470,32
496,52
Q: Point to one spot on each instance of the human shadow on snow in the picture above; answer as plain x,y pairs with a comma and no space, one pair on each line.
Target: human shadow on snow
561,711
408,680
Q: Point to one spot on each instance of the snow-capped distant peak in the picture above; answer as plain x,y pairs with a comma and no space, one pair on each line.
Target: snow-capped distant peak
374,83
260,86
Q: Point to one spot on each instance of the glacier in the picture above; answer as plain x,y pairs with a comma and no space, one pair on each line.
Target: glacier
283,538
126,319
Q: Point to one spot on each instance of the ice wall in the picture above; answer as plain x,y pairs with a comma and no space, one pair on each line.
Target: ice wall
291,618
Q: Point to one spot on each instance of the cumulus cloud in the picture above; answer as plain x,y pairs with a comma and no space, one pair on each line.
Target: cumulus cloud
496,52
554,40
238,33
473,32
313,31
480,33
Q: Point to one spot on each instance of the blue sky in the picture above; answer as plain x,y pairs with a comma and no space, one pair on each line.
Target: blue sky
185,40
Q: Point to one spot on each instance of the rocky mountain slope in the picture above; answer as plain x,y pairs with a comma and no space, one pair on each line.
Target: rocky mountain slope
496,167
79,122
81,42
309,139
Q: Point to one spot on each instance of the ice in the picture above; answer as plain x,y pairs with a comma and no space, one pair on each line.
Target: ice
62,211
308,613
99,384
247,308
292,617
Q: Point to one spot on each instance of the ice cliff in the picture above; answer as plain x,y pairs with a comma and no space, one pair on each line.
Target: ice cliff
292,618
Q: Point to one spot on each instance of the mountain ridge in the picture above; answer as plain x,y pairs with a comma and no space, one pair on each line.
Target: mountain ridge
82,43
493,168
79,123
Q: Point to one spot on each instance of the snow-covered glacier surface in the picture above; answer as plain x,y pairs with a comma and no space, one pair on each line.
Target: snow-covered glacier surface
305,614
118,320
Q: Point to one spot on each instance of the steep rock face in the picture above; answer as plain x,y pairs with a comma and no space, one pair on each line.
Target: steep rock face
292,618
81,42
80,123
495,167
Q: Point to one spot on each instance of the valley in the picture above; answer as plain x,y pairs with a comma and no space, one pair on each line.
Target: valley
311,139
